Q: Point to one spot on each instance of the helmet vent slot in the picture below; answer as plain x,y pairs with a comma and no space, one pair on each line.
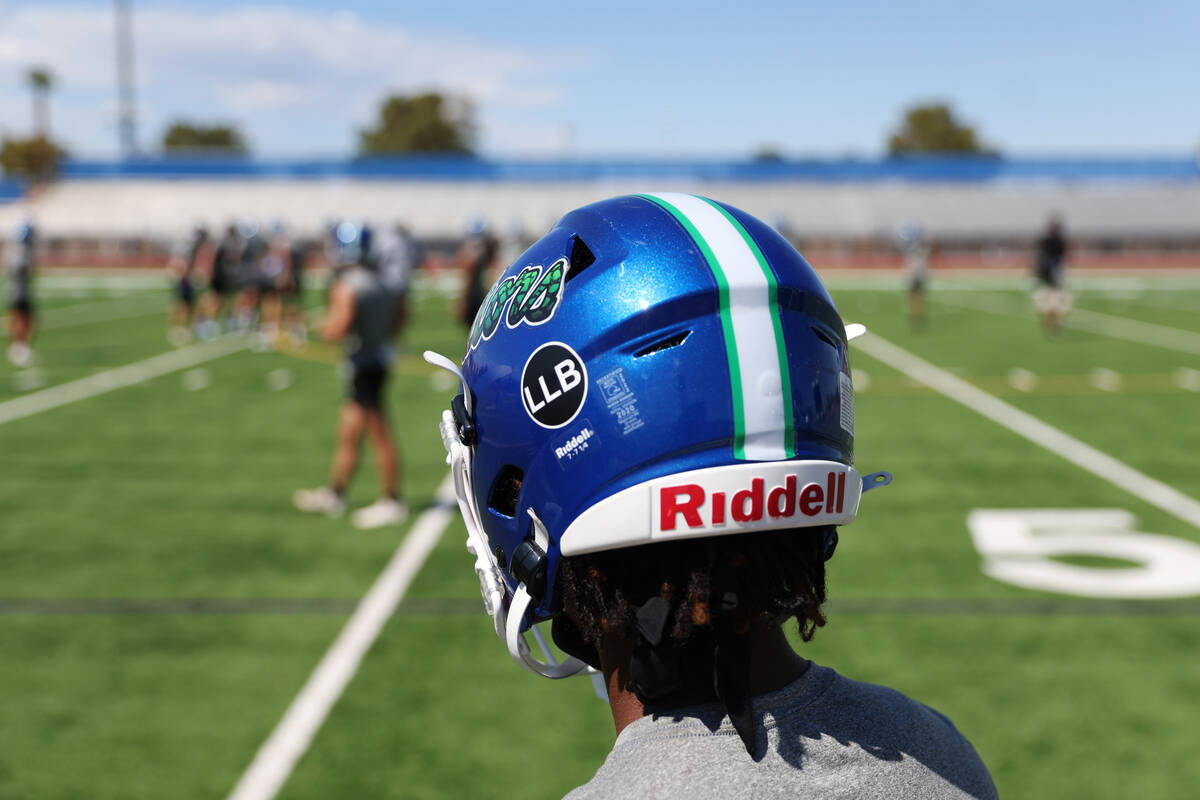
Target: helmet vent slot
506,489
674,340
581,257
825,336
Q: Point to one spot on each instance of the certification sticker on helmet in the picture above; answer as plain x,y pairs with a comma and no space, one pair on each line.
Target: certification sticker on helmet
553,385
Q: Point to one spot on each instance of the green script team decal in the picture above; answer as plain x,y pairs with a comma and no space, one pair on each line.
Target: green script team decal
532,296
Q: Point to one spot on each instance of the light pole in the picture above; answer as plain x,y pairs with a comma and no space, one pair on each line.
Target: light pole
126,103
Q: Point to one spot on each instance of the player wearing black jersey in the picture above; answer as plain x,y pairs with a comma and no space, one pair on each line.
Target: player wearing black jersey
21,262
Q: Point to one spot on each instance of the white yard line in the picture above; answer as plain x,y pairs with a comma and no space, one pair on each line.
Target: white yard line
1171,302
110,311
1082,455
1130,330
56,282
1135,330
55,324
117,378
288,742
79,305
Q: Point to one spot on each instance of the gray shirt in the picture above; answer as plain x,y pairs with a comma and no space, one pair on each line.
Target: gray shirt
367,343
827,737
397,257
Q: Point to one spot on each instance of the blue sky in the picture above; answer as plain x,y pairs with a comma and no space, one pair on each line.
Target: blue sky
623,78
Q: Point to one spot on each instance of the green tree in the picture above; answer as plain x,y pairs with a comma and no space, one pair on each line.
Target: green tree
41,81
933,128
183,135
426,123
35,158
768,154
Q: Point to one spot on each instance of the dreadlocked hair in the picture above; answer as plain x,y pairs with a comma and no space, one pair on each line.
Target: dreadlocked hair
781,575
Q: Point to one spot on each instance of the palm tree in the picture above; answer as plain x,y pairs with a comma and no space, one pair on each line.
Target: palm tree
41,80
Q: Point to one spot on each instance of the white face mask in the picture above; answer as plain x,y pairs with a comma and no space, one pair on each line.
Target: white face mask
506,608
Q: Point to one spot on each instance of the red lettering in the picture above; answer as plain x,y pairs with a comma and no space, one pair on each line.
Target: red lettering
781,502
841,490
718,508
830,489
670,505
811,499
755,497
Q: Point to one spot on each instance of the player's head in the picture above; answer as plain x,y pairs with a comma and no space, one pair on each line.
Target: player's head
353,240
910,233
655,391
477,226
26,233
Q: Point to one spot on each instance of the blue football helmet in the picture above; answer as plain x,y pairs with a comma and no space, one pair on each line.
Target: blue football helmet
353,240
656,367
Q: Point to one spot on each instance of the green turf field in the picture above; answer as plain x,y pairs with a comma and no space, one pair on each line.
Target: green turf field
161,604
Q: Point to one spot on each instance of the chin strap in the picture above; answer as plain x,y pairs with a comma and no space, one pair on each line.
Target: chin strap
519,649
731,657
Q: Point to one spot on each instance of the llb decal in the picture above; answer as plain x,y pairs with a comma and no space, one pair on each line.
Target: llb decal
531,297
553,385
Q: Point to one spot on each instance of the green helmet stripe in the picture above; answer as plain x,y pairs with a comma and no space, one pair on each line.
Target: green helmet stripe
749,308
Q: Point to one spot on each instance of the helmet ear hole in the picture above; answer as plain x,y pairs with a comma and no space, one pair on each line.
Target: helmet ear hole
506,489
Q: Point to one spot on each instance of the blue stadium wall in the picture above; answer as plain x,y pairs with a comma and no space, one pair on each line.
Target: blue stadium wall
916,169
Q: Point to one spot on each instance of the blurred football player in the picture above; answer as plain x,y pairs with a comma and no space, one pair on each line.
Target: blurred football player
917,251
187,263
360,316
653,448
476,258
223,277
398,255
1051,297
250,277
21,258
274,275
303,249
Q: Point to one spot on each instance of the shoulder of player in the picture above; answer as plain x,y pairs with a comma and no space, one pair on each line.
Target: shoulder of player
873,700
353,278
890,725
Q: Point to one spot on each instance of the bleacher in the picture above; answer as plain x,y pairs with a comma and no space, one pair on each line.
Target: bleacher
967,202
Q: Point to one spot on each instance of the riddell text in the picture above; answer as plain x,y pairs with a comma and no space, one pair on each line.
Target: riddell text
690,504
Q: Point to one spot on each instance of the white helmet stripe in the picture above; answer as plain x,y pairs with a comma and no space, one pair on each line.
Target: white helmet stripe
749,315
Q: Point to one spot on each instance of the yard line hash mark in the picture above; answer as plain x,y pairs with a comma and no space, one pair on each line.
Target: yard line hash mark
117,378
282,750
1040,433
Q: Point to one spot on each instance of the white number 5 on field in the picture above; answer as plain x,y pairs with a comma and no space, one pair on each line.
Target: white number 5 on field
1024,547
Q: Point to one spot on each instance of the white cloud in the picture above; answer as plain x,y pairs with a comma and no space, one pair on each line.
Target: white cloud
293,79
271,95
